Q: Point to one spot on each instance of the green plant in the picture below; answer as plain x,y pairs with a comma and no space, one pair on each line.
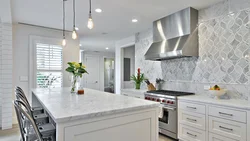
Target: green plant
77,69
139,78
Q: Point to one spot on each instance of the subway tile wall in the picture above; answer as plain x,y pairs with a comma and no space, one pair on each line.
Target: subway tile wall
6,75
224,38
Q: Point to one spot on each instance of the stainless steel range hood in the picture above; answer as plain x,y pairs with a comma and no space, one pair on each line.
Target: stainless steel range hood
175,36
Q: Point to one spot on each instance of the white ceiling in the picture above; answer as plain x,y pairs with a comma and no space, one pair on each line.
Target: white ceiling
115,20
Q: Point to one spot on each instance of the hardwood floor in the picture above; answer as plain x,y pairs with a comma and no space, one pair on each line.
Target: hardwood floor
13,135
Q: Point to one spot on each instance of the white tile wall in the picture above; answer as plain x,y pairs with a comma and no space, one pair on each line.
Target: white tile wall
6,75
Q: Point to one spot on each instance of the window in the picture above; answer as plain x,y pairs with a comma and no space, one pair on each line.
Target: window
48,66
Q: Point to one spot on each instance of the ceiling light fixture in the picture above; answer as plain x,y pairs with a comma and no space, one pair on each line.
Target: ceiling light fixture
90,21
134,20
98,10
64,40
80,45
107,48
76,28
74,34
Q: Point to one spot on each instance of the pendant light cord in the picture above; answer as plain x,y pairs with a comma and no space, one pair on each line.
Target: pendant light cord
64,19
74,12
89,6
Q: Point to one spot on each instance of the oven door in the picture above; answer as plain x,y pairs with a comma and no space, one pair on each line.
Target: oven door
169,119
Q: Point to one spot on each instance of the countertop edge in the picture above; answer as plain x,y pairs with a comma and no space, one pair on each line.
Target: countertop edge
228,103
105,113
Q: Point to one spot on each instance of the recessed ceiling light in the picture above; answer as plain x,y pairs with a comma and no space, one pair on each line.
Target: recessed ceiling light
80,45
76,28
134,20
98,10
107,48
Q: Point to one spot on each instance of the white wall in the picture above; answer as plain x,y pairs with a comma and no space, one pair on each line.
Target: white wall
21,44
5,11
5,65
101,55
119,60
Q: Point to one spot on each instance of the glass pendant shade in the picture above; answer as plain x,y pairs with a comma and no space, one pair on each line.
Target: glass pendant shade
64,42
74,34
90,23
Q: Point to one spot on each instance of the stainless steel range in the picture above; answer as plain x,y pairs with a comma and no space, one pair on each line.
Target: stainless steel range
168,100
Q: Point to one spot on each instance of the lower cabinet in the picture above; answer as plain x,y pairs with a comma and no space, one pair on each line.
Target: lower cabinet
188,133
214,123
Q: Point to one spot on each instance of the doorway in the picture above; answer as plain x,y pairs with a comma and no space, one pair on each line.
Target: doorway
92,79
128,66
109,74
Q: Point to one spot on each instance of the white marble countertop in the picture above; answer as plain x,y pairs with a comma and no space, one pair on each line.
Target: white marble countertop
64,106
234,103
133,90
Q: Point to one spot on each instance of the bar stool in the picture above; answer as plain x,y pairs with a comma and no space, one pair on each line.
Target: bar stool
44,132
35,110
40,118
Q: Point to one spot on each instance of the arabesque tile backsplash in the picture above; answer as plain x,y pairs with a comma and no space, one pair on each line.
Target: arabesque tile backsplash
224,53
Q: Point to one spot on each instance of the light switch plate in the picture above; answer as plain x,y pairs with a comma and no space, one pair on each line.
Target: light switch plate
23,78
206,87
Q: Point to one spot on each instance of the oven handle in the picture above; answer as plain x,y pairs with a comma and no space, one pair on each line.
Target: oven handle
168,108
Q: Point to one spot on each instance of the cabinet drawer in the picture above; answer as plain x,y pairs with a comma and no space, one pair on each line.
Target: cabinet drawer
192,119
230,129
187,133
198,108
214,137
235,115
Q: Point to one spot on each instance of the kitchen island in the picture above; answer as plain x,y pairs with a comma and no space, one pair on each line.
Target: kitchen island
98,116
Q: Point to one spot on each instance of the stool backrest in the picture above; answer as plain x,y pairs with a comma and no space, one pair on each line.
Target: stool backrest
22,111
20,95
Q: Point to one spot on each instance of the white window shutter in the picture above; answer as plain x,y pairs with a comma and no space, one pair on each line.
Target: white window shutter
49,66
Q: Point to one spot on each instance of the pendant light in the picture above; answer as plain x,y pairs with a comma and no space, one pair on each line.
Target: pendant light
64,39
74,34
90,21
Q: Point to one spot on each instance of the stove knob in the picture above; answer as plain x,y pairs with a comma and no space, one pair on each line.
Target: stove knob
146,98
163,101
158,100
153,99
172,102
168,101
149,98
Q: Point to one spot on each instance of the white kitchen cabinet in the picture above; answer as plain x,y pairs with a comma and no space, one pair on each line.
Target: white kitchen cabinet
133,93
203,120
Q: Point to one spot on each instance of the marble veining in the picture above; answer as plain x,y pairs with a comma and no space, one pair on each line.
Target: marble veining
64,106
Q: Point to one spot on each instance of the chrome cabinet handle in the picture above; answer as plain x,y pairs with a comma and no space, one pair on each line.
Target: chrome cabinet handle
221,113
191,134
226,128
193,120
191,107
